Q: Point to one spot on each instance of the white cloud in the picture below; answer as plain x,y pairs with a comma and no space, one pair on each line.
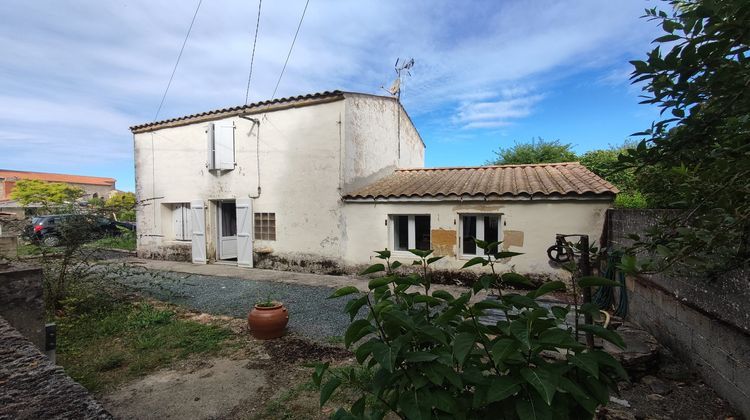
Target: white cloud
86,67
497,113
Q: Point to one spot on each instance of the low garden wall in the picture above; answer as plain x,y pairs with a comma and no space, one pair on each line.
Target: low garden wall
32,387
22,301
706,323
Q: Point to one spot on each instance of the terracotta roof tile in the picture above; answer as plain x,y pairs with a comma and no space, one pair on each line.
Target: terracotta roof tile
43,176
568,179
236,110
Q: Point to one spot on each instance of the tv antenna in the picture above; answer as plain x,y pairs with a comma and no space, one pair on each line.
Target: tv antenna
395,89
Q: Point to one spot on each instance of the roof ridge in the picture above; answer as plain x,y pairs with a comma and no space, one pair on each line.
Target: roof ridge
514,165
55,173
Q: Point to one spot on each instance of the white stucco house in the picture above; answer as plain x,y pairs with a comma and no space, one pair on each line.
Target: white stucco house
323,180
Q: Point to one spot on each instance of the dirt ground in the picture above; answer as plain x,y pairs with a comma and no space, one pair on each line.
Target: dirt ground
248,379
252,379
670,391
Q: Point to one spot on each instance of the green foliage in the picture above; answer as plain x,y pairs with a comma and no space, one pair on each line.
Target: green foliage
631,200
126,240
606,164
123,205
425,355
698,155
47,194
537,151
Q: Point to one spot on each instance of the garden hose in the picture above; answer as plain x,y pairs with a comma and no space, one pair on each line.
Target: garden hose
604,297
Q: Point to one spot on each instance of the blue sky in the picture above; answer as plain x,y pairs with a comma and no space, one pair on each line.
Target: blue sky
75,75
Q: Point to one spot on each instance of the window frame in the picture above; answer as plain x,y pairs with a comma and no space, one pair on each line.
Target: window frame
411,232
480,232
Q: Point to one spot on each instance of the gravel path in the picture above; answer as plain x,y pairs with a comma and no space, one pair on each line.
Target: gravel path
311,315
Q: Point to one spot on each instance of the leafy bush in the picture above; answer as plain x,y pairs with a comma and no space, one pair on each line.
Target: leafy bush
631,200
537,151
428,355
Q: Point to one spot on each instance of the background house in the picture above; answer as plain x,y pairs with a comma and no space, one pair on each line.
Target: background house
320,181
93,187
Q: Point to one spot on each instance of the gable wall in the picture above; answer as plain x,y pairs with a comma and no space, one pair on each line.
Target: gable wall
373,134
299,150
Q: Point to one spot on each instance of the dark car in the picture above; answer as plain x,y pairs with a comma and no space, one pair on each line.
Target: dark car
52,229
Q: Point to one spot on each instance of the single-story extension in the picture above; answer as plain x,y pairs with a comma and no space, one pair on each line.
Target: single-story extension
323,180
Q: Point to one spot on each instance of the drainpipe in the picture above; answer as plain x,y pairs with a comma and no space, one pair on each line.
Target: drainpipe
256,122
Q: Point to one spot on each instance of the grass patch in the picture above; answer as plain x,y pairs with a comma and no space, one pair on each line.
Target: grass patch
125,241
116,342
29,250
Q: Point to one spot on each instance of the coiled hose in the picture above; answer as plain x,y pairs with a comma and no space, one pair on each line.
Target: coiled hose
604,297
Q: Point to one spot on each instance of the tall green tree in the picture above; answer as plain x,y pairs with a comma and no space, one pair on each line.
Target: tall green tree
536,151
699,153
122,204
606,164
46,194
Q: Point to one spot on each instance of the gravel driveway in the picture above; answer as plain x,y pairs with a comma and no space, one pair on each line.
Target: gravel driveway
311,315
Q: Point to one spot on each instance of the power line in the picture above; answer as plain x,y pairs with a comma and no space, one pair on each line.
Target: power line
290,49
252,56
184,42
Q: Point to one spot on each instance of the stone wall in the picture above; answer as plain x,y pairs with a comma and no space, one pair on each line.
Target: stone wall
8,246
31,387
22,301
705,322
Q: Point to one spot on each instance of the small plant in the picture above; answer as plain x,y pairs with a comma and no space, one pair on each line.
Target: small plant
427,355
266,302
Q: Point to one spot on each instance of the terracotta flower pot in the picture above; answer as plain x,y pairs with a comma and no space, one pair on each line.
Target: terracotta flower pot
268,322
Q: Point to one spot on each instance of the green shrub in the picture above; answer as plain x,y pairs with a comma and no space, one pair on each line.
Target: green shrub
631,200
427,355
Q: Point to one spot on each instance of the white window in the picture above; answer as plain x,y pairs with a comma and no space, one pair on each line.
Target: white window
485,227
410,232
181,221
221,146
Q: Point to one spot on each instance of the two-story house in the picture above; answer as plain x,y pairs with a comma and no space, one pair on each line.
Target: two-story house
328,178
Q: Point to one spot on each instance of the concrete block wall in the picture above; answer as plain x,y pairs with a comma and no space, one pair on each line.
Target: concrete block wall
704,322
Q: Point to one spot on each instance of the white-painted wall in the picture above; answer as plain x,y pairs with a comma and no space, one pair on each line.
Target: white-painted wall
539,221
309,157
372,148
299,152
302,173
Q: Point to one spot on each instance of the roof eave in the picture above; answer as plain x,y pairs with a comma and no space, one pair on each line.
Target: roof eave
250,109
491,198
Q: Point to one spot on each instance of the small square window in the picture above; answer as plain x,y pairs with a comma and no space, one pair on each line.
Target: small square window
265,226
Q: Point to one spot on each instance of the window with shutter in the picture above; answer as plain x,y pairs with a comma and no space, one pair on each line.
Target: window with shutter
181,221
224,145
220,145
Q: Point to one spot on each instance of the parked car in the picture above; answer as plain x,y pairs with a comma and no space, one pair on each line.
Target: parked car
50,229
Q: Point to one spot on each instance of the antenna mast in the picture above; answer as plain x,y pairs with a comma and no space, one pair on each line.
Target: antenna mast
395,89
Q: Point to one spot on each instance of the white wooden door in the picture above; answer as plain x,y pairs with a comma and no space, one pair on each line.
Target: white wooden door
244,232
227,230
198,231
